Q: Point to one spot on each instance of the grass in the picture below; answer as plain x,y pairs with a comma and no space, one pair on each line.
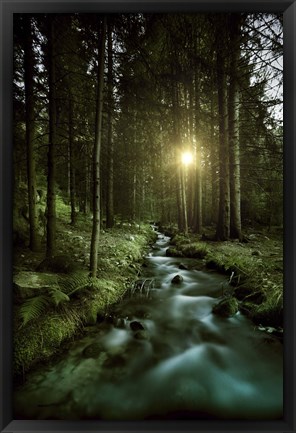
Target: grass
255,269
52,323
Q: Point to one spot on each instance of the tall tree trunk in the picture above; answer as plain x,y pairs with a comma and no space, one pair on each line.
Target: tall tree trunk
110,180
30,133
223,225
71,160
214,180
134,194
177,142
51,157
86,192
233,129
191,174
197,223
184,199
97,157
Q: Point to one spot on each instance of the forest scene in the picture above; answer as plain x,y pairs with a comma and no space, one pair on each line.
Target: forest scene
148,216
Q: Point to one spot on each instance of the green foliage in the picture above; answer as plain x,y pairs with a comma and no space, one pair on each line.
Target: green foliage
268,314
32,308
77,282
226,308
63,209
173,252
195,250
227,262
179,239
58,297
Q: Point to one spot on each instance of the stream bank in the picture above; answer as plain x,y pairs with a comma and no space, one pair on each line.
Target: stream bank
55,300
163,355
254,267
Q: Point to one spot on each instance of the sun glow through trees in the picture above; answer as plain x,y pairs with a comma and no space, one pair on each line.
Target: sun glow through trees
187,158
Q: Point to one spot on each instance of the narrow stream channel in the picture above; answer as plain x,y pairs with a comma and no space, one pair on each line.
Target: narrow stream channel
165,357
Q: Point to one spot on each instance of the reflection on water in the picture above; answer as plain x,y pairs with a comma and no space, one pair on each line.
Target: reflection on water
166,356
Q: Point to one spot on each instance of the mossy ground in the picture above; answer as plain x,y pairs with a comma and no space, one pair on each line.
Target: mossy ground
120,257
255,267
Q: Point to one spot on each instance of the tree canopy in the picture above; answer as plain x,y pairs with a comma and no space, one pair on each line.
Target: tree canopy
203,83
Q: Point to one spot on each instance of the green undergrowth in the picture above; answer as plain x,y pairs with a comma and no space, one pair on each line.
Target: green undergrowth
255,271
42,323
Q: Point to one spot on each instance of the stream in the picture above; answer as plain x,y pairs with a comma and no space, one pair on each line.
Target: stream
163,356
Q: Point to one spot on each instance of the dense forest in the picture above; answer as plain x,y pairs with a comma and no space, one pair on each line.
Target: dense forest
105,106
123,121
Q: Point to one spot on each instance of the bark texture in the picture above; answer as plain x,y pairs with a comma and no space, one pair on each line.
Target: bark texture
97,157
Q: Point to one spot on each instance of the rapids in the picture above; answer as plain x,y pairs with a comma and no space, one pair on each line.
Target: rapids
164,356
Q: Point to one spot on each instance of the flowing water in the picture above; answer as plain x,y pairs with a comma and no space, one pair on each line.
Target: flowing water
164,356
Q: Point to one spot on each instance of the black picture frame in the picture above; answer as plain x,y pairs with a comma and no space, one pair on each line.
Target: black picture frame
7,9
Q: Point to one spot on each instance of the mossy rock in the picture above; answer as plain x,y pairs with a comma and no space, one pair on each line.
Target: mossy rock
173,252
27,284
179,240
58,264
226,308
194,252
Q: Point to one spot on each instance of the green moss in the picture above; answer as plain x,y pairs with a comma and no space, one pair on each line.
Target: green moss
197,250
226,308
173,252
256,276
179,239
40,339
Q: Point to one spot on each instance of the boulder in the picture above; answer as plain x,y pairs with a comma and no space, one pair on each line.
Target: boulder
27,284
178,279
183,267
226,308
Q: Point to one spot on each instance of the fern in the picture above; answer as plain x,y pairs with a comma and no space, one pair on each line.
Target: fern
33,308
57,296
77,282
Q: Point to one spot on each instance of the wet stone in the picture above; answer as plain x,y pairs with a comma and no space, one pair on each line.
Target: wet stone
178,279
183,267
136,326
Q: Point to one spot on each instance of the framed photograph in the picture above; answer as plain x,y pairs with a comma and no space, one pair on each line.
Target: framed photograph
147,220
